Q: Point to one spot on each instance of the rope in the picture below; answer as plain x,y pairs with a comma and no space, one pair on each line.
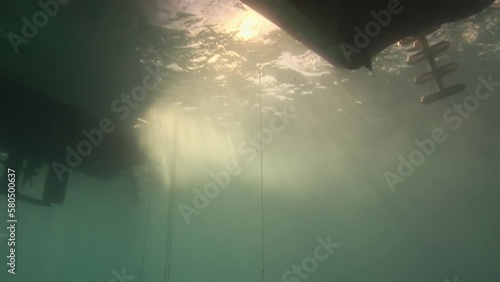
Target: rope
166,274
261,176
146,231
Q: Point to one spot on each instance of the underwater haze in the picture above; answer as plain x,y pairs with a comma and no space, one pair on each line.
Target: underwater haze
193,140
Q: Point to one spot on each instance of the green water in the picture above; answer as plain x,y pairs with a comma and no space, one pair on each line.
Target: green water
323,194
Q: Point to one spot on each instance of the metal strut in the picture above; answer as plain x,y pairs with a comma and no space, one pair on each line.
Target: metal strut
423,50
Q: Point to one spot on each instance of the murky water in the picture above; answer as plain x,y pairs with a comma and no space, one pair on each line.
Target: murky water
201,143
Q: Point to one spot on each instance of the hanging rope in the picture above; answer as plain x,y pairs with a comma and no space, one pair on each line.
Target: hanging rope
166,274
146,231
261,176
171,190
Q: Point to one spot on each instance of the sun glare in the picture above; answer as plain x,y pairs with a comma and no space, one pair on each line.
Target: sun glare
250,26
199,143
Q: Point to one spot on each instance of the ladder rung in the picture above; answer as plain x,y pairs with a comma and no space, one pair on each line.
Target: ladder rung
440,72
427,99
435,49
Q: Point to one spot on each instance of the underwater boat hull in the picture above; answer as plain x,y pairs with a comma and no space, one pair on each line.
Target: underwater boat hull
349,33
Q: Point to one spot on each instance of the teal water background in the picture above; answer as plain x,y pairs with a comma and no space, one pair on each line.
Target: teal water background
335,135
